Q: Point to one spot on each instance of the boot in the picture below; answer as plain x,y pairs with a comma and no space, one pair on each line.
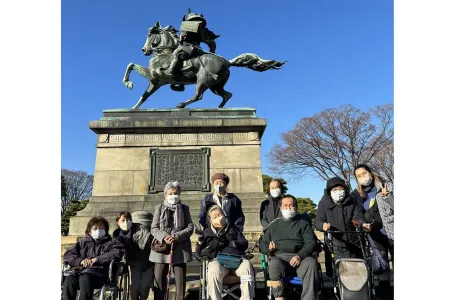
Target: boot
169,71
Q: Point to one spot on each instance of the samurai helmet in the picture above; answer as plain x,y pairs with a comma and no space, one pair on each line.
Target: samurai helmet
190,16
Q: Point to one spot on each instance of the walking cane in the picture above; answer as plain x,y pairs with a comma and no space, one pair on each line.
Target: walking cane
169,272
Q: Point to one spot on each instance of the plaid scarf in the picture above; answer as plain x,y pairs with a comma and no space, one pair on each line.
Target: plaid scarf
178,216
386,208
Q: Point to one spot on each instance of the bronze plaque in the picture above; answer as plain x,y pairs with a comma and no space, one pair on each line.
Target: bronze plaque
189,167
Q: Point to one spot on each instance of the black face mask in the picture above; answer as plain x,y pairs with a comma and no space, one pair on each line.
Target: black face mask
219,189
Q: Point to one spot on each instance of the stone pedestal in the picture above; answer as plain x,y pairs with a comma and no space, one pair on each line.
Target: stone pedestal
139,151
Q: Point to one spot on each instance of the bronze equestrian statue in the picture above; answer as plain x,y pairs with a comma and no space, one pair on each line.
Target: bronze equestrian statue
178,60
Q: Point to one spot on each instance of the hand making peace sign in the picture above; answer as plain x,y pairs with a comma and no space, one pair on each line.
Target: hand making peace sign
384,190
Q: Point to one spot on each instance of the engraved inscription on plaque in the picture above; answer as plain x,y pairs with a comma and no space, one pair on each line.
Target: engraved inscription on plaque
189,167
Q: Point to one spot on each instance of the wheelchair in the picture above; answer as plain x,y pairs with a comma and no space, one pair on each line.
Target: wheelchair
293,284
352,277
116,286
230,282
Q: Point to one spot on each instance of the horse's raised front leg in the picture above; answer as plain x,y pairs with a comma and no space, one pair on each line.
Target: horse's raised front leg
148,92
143,71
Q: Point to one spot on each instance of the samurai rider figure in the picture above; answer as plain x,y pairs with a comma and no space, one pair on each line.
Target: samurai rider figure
193,32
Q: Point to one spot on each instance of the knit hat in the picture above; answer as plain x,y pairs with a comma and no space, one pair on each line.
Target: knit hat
222,176
331,183
142,217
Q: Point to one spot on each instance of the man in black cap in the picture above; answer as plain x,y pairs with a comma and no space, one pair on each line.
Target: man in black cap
230,203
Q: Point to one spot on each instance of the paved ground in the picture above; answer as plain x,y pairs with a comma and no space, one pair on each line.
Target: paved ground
193,285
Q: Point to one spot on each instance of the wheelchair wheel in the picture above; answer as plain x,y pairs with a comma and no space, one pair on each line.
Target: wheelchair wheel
101,293
202,294
123,286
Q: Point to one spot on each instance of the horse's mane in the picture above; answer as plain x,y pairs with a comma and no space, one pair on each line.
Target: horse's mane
170,29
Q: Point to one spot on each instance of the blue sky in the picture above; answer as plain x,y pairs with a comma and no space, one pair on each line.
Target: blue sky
338,52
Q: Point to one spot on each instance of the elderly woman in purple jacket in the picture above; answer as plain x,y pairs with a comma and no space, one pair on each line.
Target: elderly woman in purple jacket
96,249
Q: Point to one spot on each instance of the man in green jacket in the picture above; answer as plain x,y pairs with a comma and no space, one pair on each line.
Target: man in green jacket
290,241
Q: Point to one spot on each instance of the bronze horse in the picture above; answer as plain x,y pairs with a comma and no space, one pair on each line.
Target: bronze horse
206,70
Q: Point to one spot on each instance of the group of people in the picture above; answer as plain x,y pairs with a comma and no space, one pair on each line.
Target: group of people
151,243
290,241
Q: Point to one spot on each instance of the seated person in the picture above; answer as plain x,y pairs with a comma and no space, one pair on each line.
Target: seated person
335,212
96,249
290,241
231,205
134,233
223,238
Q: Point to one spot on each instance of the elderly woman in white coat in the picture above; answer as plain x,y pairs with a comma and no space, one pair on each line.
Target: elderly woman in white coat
172,225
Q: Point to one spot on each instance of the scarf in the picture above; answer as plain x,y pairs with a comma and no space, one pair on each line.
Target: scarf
386,208
221,203
178,216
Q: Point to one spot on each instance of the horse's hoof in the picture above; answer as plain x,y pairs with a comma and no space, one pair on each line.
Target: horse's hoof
129,85
181,105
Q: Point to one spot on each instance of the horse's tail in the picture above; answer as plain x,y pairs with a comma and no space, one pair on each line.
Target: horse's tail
255,63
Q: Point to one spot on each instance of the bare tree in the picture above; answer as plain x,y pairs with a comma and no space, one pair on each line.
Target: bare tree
78,187
334,141
383,163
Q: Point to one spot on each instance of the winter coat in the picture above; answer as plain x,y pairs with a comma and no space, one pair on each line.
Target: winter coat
373,215
182,253
105,250
137,243
339,216
231,206
269,211
228,241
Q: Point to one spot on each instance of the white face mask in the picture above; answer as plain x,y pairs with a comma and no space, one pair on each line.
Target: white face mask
98,234
365,181
125,226
219,189
288,213
275,193
173,199
338,196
